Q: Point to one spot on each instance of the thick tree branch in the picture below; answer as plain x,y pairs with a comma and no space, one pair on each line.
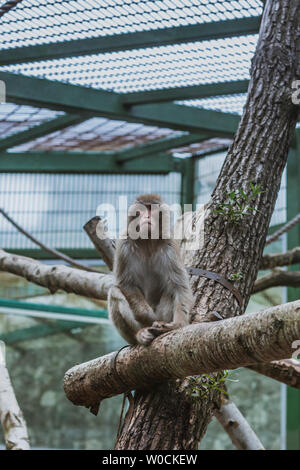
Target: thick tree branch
57,277
237,427
11,417
95,285
281,259
286,371
277,277
196,349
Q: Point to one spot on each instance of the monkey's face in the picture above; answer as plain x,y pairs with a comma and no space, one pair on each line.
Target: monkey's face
148,221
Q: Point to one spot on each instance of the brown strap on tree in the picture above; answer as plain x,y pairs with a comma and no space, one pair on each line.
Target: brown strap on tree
218,278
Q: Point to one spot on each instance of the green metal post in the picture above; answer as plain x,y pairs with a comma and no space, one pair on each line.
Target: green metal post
293,240
187,182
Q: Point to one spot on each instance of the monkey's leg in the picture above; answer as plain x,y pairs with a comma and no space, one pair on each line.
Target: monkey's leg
167,309
121,315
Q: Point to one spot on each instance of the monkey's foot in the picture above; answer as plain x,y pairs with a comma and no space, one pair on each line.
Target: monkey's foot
145,336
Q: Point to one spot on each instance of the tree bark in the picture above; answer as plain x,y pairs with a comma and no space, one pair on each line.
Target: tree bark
258,155
286,371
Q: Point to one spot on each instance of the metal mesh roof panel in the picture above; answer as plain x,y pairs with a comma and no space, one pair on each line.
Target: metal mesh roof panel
151,68
227,104
17,118
49,21
97,134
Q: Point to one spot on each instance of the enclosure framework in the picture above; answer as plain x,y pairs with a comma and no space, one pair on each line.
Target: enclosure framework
129,90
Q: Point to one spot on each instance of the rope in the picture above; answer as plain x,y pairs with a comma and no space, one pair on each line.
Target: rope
8,6
284,229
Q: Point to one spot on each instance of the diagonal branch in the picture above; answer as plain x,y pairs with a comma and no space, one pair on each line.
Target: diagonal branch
237,427
278,277
52,251
196,349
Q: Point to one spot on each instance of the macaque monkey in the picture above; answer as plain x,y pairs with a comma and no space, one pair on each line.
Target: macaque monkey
152,293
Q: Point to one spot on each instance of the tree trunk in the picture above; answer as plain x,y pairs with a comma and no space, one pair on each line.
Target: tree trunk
163,418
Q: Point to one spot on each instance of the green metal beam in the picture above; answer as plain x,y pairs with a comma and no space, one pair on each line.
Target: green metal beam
188,92
40,130
75,253
188,118
85,162
159,37
57,326
78,99
188,181
42,93
159,145
293,240
40,331
36,307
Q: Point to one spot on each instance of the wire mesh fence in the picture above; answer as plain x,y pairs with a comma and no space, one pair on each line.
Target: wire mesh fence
54,207
206,173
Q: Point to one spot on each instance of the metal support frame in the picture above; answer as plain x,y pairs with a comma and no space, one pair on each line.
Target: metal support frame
188,181
77,99
185,93
74,318
86,162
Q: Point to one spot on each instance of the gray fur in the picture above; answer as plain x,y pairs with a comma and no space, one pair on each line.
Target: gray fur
152,293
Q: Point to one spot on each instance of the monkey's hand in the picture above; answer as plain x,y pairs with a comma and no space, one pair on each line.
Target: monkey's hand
146,335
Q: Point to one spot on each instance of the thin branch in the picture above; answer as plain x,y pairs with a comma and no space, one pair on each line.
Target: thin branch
278,277
92,285
196,349
11,416
281,259
96,228
286,371
52,251
237,427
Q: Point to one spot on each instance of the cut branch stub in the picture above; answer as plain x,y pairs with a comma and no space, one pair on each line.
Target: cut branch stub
96,229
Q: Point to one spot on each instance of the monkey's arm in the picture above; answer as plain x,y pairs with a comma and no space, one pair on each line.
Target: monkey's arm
140,308
129,313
